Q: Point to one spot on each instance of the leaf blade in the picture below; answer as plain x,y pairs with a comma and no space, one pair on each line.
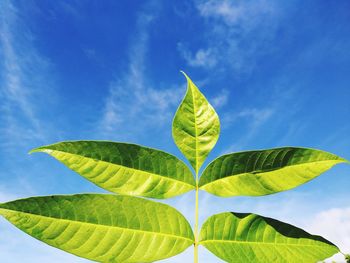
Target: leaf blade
104,228
263,172
196,126
244,238
124,168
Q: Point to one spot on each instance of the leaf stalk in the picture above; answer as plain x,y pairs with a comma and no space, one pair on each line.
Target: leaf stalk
196,238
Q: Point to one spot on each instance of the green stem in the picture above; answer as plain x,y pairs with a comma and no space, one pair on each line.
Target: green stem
196,225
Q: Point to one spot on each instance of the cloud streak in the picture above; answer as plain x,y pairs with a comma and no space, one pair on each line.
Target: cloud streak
202,57
236,33
22,71
132,97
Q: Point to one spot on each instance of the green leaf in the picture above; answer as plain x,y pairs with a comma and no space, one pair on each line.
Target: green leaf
237,237
104,228
125,168
264,172
196,126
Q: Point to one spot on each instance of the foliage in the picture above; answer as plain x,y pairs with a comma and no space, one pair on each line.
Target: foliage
127,228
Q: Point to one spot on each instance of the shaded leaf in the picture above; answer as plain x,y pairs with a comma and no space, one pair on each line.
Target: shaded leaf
196,126
264,172
104,228
238,237
124,168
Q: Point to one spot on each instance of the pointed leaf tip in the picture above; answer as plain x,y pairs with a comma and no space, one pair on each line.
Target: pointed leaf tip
33,150
40,149
183,73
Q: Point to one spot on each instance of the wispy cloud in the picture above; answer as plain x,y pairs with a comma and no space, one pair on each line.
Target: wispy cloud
236,31
266,118
26,94
22,75
246,14
252,118
201,58
255,117
221,99
132,96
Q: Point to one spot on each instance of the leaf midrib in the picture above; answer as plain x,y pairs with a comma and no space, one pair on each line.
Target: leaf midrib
195,126
101,225
252,172
125,167
262,243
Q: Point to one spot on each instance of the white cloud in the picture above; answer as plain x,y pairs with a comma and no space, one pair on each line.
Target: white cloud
24,82
334,225
252,118
221,99
13,69
255,117
235,33
132,97
201,58
244,14
23,73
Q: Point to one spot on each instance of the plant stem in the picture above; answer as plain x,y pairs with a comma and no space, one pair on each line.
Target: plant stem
196,225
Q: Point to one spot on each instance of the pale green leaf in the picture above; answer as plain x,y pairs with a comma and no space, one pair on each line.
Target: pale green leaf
104,228
242,238
125,168
196,126
264,172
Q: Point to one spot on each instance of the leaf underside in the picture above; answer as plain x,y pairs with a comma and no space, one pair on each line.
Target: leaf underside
242,238
104,228
196,126
125,168
263,172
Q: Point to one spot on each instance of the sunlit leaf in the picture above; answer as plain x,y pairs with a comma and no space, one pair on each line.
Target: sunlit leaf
264,172
125,168
196,126
104,228
242,238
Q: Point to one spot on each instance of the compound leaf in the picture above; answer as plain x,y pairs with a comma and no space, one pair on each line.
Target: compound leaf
196,126
263,172
104,228
125,168
241,238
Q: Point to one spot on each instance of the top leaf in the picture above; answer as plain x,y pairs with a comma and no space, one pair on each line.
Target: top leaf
196,126
125,168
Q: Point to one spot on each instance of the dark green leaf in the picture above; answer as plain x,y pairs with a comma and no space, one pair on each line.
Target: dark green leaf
242,238
264,172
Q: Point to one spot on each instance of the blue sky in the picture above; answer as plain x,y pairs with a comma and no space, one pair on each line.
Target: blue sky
277,72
